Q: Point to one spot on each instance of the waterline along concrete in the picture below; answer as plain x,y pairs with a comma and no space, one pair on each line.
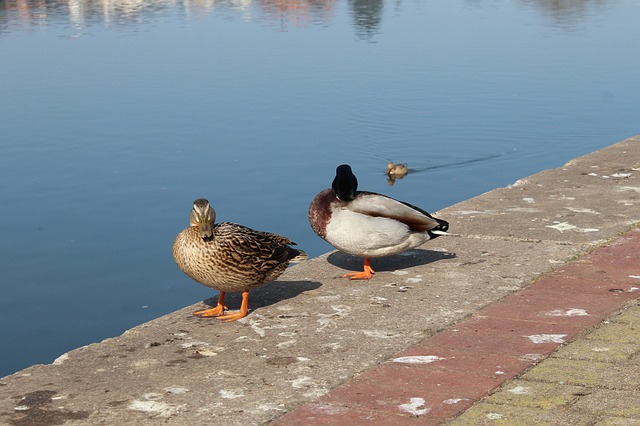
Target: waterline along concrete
529,315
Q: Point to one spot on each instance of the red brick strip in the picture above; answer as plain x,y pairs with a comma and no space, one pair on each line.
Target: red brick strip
444,375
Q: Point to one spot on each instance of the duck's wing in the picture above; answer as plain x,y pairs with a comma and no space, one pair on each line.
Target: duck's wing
378,205
261,250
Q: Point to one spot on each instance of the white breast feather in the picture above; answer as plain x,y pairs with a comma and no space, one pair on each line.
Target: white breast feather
363,235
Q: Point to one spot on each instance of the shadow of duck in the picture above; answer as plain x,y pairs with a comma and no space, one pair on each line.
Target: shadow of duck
268,294
408,259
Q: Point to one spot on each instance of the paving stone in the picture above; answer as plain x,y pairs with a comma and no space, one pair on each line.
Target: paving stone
523,393
629,316
391,388
471,362
485,414
611,403
506,336
598,350
618,421
616,332
586,373
336,415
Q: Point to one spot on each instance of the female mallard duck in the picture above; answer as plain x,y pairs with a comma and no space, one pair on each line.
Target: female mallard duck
367,224
230,257
397,170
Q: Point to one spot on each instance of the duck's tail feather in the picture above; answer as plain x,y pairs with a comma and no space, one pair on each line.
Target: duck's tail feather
298,256
440,229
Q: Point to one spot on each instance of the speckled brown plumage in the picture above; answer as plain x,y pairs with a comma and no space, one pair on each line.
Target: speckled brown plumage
233,257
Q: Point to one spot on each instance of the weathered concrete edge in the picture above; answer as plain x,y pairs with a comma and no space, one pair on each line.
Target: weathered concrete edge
567,222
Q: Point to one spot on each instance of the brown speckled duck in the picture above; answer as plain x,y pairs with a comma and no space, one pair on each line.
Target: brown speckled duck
230,257
397,170
367,224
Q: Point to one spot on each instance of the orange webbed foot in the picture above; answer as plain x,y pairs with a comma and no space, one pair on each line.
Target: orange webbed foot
366,274
244,310
232,317
213,312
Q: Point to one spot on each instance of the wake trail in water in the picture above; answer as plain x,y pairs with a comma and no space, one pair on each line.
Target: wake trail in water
457,163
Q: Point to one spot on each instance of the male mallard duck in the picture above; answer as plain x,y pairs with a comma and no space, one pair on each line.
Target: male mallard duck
367,224
397,170
230,257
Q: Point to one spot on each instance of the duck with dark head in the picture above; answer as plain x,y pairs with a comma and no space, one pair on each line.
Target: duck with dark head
367,224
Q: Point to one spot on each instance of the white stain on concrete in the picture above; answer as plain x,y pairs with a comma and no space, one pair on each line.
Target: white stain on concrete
621,175
494,416
285,308
206,352
565,226
286,344
380,334
229,394
329,298
629,188
530,357
417,279
523,210
452,401
193,344
520,390
473,212
302,382
255,326
418,359
144,363
600,349
150,404
547,338
62,358
582,210
176,390
415,406
330,320
400,272
312,388
529,200
21,408
270,407
519,182
573,312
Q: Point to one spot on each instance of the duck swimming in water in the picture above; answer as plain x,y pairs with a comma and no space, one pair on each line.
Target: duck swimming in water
397,170
367,224
230,257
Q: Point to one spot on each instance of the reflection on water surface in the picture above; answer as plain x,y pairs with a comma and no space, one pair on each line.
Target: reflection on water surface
366,15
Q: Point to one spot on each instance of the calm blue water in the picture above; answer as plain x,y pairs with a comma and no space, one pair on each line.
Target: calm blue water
116,115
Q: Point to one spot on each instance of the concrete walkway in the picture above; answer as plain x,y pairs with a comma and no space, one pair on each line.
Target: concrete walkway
530,316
